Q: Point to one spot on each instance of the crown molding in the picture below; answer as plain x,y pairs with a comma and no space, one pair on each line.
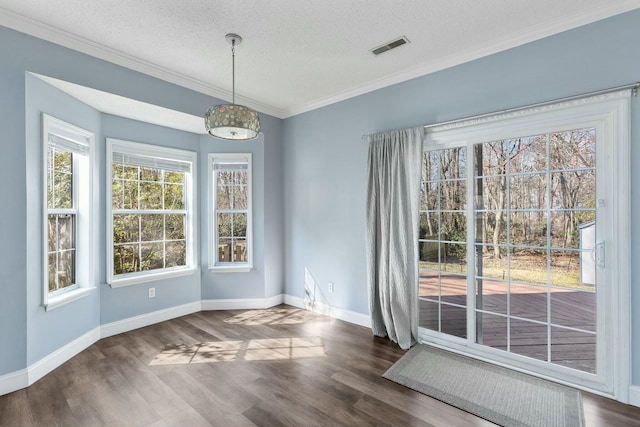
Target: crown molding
55,35
538,32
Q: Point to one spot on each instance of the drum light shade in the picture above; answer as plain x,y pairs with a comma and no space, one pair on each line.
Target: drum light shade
232,121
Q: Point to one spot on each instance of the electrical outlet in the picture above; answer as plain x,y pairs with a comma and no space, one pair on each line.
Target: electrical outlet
330,287
152,292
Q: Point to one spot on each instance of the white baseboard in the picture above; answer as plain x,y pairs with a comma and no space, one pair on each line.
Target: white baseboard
50,362
242,304
147,319
634,395
25,377
14,381
338,313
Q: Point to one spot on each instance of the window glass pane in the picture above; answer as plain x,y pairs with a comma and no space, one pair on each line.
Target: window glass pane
453,257
152,256
491,262
66,268
52,236
152,227
528,265
150,195
150,174
126,228
173,196
240,177
224,225
573,189
453,195
117,194
126,258
176,254
491,227
574,308
528,301
429,225
528,228
528,191
491,158
573,349
239,225
240,197
130,200
175,226
223,199
224,249
453,226
240,250
491,295
429,196
573,149
491,330
429,255
429,284
453,320
529,339
530,154
52,268
429,315
174,177
62,190
66,232
565,269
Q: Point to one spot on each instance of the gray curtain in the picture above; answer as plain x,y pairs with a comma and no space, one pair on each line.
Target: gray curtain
393,199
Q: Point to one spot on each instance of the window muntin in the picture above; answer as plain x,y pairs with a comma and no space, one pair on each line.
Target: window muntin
68,216
230,178
151,208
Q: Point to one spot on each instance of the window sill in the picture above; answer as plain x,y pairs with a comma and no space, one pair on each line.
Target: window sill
134,280
231,269
66,298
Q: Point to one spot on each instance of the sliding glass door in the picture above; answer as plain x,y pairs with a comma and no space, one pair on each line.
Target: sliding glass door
512,242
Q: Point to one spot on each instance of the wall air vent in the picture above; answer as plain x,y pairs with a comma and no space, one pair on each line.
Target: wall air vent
390,45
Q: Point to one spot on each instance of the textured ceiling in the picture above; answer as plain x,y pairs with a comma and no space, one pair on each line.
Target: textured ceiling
296,55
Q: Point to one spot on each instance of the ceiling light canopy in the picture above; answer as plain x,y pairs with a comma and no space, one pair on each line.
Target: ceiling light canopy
232,121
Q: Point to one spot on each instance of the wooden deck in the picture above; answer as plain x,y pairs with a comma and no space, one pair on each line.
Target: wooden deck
568,308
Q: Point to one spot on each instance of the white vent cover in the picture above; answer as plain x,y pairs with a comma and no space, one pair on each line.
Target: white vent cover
390,45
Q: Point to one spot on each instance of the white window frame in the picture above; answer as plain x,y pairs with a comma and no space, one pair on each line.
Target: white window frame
214,264
190,191
609,114
81,143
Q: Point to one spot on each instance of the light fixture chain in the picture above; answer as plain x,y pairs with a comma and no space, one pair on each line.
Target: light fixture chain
233,71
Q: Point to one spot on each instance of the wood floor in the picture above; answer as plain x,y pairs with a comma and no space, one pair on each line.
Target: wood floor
277,367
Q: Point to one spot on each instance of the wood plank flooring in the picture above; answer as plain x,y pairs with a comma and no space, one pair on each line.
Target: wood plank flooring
262,375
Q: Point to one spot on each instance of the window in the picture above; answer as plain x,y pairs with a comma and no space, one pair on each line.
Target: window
151,201
230,247
67,219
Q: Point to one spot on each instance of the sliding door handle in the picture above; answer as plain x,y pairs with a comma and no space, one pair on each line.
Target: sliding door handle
600,254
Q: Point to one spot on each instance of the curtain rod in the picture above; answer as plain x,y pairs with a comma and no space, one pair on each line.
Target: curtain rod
633,86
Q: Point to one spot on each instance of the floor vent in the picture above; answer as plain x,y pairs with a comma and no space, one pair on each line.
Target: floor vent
390,45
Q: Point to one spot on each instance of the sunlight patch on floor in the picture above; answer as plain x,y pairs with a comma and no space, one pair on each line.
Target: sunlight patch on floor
251,350
275,316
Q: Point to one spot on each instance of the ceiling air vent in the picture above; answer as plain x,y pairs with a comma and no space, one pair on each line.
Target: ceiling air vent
390,45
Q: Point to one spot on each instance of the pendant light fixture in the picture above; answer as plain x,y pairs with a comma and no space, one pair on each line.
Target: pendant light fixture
232,121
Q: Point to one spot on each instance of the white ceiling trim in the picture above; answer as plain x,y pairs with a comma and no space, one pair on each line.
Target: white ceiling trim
551,28
38,29
135,110
51,34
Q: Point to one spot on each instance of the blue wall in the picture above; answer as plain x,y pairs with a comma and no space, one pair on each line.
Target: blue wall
48,331
27,332
325,158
